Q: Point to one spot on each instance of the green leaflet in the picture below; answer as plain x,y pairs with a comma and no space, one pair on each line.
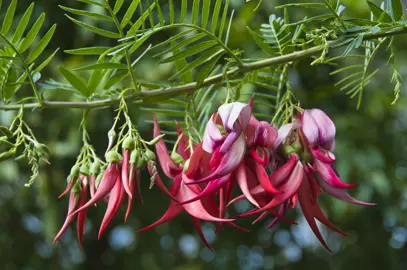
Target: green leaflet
75,81
95,30
190,51
88,51
42,44
87,13
22,25
32,34
8,18
106,65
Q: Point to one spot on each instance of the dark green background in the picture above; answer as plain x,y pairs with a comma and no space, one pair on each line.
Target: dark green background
371,151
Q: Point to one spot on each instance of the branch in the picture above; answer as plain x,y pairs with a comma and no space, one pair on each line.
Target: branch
191,87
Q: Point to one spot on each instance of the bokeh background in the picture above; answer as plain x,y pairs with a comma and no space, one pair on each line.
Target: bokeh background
371,151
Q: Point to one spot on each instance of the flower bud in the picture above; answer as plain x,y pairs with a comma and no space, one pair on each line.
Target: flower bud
141,162
128,143
74,171
84,170
177,158
6,155
113,157
135,156
98,179
149,155
95,168
298,147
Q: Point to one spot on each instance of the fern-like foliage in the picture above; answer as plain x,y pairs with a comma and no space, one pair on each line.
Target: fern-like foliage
19,52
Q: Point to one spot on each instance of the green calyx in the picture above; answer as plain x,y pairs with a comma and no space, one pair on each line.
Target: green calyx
134,156
177,158
95,168
149,155
113,157
84,170
75,171
128,143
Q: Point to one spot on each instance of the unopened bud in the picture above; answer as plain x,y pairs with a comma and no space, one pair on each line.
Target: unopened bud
74,171
177,158
84,170
298,147
156,139
128,143
95,168
149,154
6,132
111,135
112,157
134,156
141,162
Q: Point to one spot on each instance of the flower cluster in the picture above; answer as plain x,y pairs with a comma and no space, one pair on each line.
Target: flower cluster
275,170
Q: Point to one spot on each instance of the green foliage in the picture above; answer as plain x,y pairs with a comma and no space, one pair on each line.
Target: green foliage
16,65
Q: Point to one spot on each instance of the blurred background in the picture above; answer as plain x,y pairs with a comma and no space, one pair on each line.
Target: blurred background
371,151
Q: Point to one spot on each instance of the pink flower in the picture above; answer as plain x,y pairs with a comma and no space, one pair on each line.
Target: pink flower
78,197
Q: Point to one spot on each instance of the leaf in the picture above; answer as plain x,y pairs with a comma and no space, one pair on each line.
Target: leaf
86,13
195,11
303,5
106,65
129,13
88,51
184,10
46,62
215,16
9,90
42,44
95,30
204,57
182,44
190,51
75,81
223,20
173,38
172,15
8,18
23,24
132,31
204,72
115,79
32,34
117,6
395,9
205,13
92,3
380,14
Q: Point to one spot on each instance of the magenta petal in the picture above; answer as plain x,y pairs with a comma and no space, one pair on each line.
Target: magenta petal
289,189
212,136
340,194
231,112
243,184
230,161
211,188
318,128
266,135
172,211
183,148
327,157
167,164
107,183
330,177
198,229
279,176
196,209
73,202
125,172
158,181
115,198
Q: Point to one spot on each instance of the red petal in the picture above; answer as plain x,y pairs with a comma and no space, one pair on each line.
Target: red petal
183,148
115,198
125,172
158,182
73,201
243,184
328,158
81,223
92,185
198,228
167,164
68,187
196,209
281,175
329,175
106,185
264,179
